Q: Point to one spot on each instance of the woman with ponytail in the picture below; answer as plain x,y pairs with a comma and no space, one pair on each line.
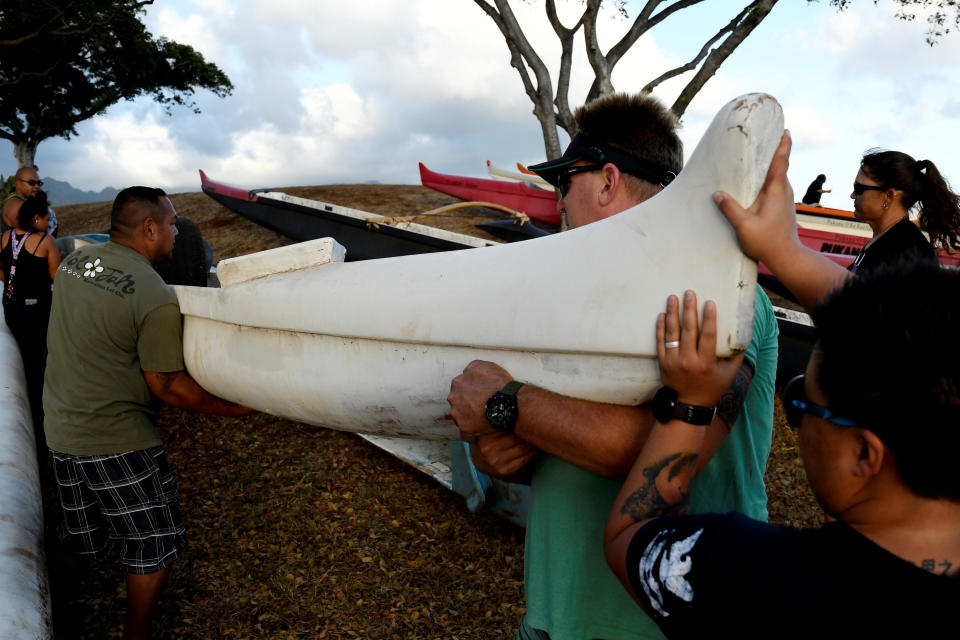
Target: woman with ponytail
887,187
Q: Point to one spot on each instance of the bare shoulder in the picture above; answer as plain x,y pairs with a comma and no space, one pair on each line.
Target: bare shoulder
11,207
48,244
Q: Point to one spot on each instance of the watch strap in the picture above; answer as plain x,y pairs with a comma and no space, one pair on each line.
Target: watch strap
692,414
511,388
666,407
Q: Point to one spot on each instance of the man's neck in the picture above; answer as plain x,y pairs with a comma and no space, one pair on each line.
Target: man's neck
131,244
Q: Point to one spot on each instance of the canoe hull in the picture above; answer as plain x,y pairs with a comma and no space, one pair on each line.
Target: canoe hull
355,384
302,220
372,346
539,204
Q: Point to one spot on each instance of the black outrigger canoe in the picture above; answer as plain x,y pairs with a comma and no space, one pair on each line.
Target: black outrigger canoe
365,235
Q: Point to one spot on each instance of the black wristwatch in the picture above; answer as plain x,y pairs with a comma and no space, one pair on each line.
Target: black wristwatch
501,409
666,408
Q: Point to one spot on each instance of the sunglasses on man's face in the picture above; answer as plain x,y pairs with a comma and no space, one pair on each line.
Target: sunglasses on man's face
859,188
563,182
795,404
32,183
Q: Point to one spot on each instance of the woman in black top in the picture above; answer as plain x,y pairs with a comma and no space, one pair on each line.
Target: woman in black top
29,259
888,185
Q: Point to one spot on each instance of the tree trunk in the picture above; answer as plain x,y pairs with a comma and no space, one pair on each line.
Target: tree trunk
539,87
25,152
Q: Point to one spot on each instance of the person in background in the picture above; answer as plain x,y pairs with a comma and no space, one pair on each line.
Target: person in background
814,191
575,453
887,187
26,184
115,348
29,260
877,446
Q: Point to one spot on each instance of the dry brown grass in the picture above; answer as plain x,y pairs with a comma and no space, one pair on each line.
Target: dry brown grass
301,532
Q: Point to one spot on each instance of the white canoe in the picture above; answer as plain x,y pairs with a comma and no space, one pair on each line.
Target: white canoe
516,176
372,346
24,594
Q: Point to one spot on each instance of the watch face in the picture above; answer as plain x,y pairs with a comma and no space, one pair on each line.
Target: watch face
501,411
664,404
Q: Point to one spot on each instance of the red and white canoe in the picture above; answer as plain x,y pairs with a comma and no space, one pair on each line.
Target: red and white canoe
539,204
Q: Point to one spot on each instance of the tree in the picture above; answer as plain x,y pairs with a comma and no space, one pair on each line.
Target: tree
64,61
553,110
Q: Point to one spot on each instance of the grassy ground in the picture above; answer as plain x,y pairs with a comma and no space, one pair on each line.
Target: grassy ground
302,532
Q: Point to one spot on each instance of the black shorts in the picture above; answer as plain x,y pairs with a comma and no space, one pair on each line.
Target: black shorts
127,497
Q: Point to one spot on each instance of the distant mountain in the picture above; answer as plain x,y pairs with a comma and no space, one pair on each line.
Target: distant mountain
61,193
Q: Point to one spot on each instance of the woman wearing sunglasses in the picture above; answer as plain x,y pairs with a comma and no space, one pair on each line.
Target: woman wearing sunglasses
878,414
887,187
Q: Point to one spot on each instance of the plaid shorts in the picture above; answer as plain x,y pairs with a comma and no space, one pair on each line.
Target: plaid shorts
126,497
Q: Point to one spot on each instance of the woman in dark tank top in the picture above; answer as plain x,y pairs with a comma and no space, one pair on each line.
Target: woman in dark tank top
891,184
29,259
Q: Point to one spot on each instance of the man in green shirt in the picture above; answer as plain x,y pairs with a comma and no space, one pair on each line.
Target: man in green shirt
575,453
26,185
115,347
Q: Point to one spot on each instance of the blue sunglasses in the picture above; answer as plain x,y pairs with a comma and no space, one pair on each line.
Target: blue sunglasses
795,404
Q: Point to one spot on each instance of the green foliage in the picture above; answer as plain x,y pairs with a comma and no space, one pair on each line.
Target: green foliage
7,185
938,14
64,61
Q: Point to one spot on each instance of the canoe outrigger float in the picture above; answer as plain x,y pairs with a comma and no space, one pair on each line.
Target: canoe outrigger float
515,176
372,346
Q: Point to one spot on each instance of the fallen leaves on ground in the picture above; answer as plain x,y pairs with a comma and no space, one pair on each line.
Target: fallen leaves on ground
300,532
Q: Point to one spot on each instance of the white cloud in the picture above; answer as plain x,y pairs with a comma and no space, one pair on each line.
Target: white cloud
810,128
328,91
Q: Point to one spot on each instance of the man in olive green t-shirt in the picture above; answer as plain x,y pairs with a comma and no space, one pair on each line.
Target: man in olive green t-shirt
115,348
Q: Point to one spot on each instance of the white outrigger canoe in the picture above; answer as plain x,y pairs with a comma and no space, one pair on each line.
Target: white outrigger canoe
372,346
515,176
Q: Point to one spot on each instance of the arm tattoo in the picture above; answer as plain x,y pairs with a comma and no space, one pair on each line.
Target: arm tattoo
647,501
731,402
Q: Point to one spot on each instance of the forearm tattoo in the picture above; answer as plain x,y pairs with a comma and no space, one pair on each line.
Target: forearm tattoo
647,501
731,402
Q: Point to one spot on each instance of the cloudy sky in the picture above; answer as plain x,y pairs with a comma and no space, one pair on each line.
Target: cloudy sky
340,92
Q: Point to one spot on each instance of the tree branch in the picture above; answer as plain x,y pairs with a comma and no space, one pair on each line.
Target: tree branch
676,71
755,13
44,28
524,59
28,74
565,116
642,24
